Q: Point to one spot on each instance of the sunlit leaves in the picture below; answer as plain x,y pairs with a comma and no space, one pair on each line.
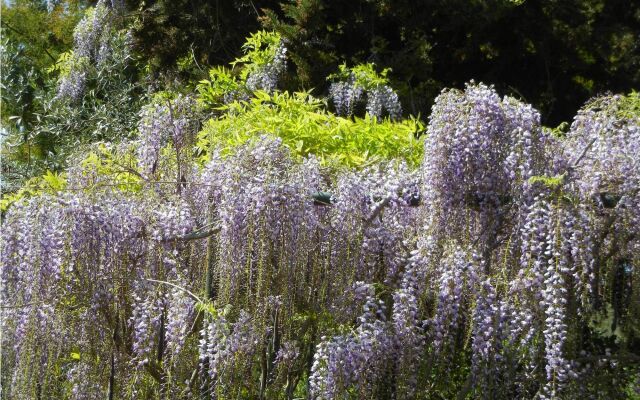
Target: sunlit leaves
302,124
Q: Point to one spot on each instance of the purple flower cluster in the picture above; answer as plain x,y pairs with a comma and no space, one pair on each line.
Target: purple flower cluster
287,355
165,121
73,84
458,275
610,161
603,145
83,388
180,309
146,319
488,321
88,35
383,98
265,77
480,152
171,221
226,350
345,96
352,361
92,43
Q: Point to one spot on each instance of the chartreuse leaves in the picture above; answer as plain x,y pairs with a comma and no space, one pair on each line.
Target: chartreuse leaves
304,126
50,182
364,75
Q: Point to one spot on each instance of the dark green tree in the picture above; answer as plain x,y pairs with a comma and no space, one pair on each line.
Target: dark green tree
554,54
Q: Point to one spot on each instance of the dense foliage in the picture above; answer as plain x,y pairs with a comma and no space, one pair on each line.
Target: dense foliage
33,38
53,107
306,128
226,238
555,54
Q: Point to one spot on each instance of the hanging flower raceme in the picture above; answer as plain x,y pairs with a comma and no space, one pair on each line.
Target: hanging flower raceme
258,274
603,144
227,350
345,96
93,38
555,269
480,152
165,121
94,246
264,59
458,273
603,141
265,77
350,85
353,361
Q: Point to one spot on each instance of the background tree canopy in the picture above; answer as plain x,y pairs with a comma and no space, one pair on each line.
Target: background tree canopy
553,54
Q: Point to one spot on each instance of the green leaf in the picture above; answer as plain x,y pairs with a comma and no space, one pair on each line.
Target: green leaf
55,181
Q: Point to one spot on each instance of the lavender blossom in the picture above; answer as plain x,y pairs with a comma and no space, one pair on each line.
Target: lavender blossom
164,121
266,77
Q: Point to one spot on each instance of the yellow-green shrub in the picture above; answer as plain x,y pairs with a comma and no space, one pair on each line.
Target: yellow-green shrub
304,125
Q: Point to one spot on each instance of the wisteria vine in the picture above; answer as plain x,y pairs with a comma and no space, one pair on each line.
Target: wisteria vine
486,273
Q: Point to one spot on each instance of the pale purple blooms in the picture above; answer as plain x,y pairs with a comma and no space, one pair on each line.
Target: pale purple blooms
92,44
352,361
465,265
162,122
346,95
265,77
383,98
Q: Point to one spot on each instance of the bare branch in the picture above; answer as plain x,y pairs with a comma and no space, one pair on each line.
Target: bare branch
378,209
177,287
196,235
584,152
112,378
